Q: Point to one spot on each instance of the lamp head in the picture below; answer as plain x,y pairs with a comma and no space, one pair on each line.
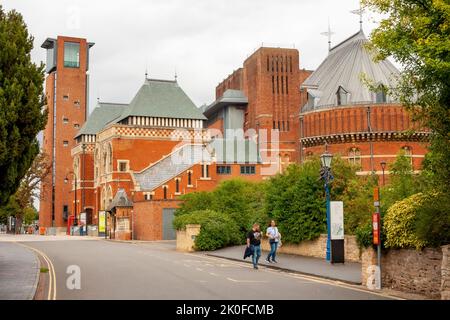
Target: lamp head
383,164
326,159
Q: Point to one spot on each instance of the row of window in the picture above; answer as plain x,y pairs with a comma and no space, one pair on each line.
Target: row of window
281,85
342,96
76,103
66,121
281,125
244,169
354,154
279,63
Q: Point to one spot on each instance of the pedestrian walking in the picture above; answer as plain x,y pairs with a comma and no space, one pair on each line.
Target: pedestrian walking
274,239
254,240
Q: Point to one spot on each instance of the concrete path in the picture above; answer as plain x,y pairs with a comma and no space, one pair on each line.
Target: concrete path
348,272
19,272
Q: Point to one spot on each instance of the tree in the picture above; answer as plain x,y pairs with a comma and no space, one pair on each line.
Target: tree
21,103
20,203
416,33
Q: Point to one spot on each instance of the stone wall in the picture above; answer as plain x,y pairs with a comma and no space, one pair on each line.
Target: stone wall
318,247
409,270
186,238
445,273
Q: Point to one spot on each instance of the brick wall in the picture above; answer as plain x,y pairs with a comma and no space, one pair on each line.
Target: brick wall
445,273
317,248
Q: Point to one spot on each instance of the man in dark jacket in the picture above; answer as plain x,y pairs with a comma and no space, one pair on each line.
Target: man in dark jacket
254,240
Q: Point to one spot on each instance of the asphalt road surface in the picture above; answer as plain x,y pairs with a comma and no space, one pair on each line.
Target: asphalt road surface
118,270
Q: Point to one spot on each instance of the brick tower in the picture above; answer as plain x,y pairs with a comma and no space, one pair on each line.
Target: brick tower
67,103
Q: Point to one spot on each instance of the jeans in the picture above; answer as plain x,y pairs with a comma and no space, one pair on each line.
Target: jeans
273,250
256,254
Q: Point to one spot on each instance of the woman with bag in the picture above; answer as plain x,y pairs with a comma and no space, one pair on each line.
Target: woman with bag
274,239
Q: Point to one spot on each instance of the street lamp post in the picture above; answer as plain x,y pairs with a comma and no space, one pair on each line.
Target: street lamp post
326,175
83,205
383,166
66,180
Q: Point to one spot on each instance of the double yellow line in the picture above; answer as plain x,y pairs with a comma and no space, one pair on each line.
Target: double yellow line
51,274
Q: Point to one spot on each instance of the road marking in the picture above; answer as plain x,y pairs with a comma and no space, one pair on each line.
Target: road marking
247,281
52,274
306,277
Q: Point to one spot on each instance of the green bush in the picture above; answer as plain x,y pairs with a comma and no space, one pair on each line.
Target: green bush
295,199
399,223
217,229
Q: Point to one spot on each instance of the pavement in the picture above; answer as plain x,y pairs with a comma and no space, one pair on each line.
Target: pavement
155,270
19,272
349,272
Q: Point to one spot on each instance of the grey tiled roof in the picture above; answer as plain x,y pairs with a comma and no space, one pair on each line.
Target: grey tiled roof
344,66
103,113
229,97
120,200
164,99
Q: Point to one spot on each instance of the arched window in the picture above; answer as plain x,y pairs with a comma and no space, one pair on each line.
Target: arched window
354,156
177,185
341,95
408,153
190,178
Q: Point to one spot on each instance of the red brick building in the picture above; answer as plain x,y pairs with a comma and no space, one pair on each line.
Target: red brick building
134,161
67,98
361,122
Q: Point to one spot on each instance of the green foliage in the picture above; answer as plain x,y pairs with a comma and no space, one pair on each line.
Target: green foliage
21,103
30,215
417,34
295,199
403,182
217,229
399,223
432,224
358,203
241,200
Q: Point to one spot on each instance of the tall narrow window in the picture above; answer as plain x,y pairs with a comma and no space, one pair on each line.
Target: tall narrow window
267,63
273,84
408,153
278,86
190,178
287,85
277,62
380,95
272,63
165,192
71,55
177,185
290,64
282,85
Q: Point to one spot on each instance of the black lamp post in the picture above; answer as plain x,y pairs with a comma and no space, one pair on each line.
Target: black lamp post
66,180
326,175
83,205
383,166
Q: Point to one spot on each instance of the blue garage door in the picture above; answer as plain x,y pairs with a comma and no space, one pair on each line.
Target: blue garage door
168,230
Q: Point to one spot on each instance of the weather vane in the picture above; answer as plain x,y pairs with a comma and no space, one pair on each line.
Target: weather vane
328,34
359,12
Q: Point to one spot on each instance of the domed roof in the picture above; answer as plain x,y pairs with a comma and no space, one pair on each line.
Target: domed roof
342,71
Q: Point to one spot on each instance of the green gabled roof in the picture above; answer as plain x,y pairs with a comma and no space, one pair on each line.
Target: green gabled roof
162,99
103,113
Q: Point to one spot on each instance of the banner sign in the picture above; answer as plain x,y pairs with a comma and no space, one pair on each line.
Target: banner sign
101,221
376,228
337,220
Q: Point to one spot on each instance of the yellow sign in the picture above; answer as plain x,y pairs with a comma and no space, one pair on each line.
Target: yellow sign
101,221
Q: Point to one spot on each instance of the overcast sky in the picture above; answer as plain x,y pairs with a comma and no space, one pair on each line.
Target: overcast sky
203,40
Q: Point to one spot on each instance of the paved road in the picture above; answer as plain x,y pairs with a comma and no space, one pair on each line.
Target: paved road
117,270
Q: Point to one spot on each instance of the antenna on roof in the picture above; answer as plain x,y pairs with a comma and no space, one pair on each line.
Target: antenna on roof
359,12
176,75
328,34
146,74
